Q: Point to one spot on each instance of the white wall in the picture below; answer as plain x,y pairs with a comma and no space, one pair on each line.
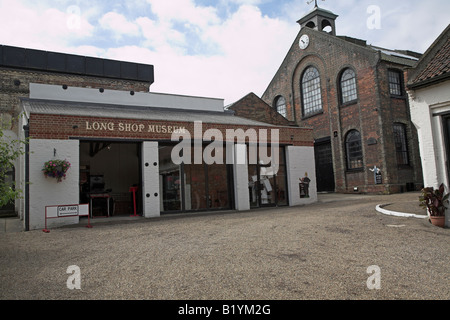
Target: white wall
116,97
300,160
426,104
46,191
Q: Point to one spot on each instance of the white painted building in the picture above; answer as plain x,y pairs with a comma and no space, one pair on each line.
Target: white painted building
429,98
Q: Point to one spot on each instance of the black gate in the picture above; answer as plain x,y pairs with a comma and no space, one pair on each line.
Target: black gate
324,165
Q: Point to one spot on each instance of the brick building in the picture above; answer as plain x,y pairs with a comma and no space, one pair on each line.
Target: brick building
20,67
136,152
353,96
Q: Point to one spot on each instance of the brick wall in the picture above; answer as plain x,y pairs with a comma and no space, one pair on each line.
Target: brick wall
373,114
14,84
49,126
252,107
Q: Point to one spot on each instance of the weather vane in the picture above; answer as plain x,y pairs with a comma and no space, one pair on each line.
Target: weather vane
315,2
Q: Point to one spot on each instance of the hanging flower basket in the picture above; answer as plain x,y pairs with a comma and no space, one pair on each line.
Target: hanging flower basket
56,169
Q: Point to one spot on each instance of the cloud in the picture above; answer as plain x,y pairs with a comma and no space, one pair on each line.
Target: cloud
224,51
48,28
160,36
249,49
119,25
184,11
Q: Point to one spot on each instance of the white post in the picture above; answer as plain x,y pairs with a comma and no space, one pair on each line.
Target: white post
240,169
150,180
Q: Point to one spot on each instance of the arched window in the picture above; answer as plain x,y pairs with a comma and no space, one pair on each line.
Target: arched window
348,86
326,26
280,105
353,148
311,92
311,25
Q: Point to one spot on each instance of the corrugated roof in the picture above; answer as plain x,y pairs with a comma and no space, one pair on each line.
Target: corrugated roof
395,56
133,112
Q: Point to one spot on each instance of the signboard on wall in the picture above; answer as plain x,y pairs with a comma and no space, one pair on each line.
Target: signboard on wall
378,178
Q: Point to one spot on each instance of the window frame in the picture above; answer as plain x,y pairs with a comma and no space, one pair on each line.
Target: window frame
310,95
399,84
349,157
276,106
403,150
341,87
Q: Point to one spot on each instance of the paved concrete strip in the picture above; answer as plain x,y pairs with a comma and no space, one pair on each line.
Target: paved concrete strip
380,209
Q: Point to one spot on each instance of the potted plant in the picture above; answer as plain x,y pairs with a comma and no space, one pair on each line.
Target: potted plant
434,201
56,169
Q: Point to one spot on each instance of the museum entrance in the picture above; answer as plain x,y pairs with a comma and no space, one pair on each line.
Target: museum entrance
267,183
194,187
110,178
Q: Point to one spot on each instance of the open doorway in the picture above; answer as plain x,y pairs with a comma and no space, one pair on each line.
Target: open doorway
268,183
110,177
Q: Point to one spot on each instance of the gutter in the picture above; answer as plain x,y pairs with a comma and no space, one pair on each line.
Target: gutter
429,82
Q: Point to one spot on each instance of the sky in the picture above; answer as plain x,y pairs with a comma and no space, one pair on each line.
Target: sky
221,49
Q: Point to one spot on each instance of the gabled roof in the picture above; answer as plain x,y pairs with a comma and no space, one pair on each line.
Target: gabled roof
435,64
254,108
403,58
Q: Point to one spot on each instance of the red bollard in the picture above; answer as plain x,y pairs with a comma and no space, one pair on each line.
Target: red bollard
134,190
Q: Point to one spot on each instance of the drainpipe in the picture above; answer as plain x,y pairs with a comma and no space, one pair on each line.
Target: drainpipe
26,128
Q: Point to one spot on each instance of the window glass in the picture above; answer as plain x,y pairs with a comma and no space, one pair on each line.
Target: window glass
354,150
312,95
395,86
170,180
348,86
401,146
281,106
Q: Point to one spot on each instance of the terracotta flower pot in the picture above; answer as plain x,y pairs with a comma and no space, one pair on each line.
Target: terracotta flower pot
438,221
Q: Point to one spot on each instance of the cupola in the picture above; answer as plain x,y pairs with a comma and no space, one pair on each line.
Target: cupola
319,19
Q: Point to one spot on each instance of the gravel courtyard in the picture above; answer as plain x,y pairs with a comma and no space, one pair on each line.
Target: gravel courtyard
321,251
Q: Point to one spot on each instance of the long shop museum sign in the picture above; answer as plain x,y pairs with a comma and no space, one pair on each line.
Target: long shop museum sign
133,127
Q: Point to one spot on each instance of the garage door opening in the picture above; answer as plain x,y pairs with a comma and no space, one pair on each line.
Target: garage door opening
110,178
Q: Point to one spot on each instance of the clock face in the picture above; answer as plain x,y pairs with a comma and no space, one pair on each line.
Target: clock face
304,42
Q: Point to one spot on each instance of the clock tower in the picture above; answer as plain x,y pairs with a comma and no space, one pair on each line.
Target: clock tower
320,19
